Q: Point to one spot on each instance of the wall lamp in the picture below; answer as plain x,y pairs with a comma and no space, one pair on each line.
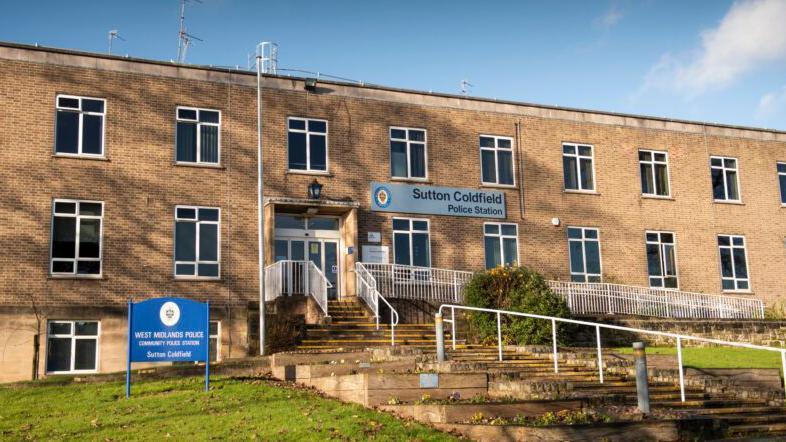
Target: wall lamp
314,190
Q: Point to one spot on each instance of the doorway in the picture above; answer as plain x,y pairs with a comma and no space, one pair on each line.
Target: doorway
316,239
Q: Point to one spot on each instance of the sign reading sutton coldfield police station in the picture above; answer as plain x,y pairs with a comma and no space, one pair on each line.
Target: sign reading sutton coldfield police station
433,200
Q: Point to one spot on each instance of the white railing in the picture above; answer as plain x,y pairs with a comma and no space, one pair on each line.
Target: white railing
287,278
422,283
367,291
678,337
602,298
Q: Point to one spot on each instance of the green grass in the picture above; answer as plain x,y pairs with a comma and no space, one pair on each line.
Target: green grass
717,357
180,409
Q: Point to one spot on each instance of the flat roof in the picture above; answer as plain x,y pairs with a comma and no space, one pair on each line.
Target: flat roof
236,70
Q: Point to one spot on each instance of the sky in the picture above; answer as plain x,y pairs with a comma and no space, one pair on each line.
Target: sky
708,60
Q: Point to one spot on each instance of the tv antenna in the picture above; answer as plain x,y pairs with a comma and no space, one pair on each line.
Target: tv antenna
465,85
114,34
184,38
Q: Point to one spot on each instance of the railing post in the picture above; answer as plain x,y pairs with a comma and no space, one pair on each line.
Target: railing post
679,364
392,330
600,355
453,326
642,388
440,337
783,365
554,344
499,334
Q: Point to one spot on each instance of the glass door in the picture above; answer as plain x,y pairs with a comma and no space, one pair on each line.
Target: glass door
331,267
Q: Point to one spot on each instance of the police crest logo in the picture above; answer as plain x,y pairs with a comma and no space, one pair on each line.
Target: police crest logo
382,196
169,314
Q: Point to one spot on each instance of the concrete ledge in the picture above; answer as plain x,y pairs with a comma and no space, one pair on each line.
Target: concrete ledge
447,413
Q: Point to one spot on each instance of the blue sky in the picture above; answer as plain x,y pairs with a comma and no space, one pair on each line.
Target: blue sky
714,60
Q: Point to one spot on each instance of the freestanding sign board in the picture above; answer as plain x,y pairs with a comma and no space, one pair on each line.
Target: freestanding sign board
168,330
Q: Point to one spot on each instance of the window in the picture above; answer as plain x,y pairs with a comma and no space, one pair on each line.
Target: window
724,179
198,135
214,346
407,153
72,346
76,238
734,263
79,126
411,242
501,244
496,160
584,250
654,168
661,260
579,173
782,181
307,144
197,244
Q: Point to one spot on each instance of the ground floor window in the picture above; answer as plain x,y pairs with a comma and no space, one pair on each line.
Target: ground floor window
500,244
215,341
662,260
72,346
411,242
584,250
734,263
197,242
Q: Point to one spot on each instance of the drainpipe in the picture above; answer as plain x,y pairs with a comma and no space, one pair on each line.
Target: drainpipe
260,219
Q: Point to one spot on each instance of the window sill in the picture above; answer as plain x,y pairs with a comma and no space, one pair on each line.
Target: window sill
412,180
80,157
734,203
657,197
738,292
581,192
71,373
199,165
74,277
308,172
499,186
196,279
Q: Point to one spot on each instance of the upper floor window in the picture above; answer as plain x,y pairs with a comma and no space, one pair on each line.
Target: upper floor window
76,238
734,263
584,249
411,242
577,167
307,139
407,153
662,260
782,181
198,135
72,346
197,242
79,127
496,160
500,242
724,179
654,167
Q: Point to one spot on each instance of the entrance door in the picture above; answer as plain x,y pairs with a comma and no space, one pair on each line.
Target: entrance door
315,239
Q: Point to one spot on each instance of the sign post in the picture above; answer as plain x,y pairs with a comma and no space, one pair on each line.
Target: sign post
168,330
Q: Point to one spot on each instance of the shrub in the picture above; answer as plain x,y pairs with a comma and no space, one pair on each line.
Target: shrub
517,289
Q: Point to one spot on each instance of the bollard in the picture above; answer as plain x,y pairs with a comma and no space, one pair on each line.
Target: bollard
440,337
642,388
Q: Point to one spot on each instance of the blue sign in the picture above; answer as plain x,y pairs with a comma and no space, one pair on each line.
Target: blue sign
168,330
433,200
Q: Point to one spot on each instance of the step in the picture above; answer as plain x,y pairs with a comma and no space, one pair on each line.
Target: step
765,429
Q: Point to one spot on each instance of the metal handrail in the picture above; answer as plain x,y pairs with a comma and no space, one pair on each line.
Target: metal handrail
421,283
290,277
367,291
598,326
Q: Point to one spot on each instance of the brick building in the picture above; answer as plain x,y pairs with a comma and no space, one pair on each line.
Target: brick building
126,178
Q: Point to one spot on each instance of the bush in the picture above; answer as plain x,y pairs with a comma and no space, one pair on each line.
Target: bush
516,289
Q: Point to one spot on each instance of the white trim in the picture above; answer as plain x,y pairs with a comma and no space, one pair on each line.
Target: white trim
308,134
578,158
723,170
662,258
81,113
218,340
583,241
652,162
75,260
734,277
496,149
408,142
501,237
199,124
197,261
781,196
409,235
73,337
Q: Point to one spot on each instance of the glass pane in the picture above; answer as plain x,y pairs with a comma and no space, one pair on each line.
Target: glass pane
505,160
185,269
208,144
493,252
659,157
297,150
670,283
569,149
487,166
742,285
298,250
318,152
401,248
727,284
58,354
740,266
503,143
656,282
92,105
724,240
208,214
585,150
578,278
653,260
331,267
419,225
593,278
491,229
417,135
645,156
509,229
85,354
213,349
61,207
208,242
68,102
718,191
317,126
208,116
398,134
88,267
185,241
782,182
323,223
186,213
592,248
281,251
290,222
574,232
737,240
726,265
782,167
586,174
647,186
213,328
62,267
90,238
90,209
297,124
186,142
207,270
510,251
92,134
420,252
669,261
398,159
730,163
570,173
400,224
576,257
667,238
67,132
187,114
59,328
86,328
486,142
590,233
315,253
63,237
652,237
731,185
718,162
417,160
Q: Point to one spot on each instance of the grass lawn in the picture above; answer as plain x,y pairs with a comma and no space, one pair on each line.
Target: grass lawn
178,409
717,357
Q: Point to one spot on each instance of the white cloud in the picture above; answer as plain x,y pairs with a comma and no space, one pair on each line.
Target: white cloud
751,34
771,104
610,18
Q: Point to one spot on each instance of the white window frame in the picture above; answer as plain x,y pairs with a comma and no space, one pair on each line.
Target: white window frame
199,125
723,170
500,238
496,149
76,257
308,133
409,233
780,174
734,278
408,142
583,239
578,158
196,262
662,257
652,162
73,337
82,114
217,336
